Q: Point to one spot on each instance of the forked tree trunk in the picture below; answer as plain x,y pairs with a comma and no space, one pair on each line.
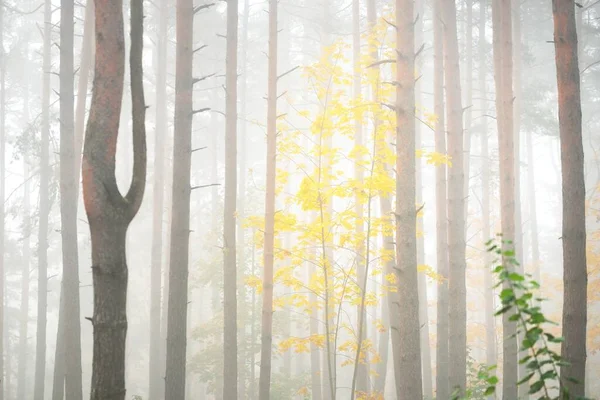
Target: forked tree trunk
407,348
68,203
109,213
457,295
502,23
266,343
230,372
155,387
574,319
42,251
180,211
442,388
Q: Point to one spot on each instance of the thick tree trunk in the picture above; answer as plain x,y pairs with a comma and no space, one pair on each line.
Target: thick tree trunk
156,383
407,350
180,211
109,213
230,372
574,320
490,325
442,388
42,307
266,342
457,296
502,23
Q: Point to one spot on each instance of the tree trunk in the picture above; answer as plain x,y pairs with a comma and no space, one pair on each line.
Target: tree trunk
407,350
266,343
574,320
42,308
442,388
457,307
490,325
230,372
468,112
502,23
58,381
22,384
180,211
155,388
109,213
2,194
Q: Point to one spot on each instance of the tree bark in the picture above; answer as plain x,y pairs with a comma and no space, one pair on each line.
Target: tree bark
109,213
230,372
442,388
502,23
264,386
42,307
407,350
155,387
180,211
574,319
457,307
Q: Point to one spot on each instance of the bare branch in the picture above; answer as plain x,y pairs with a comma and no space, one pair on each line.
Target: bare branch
200,110
202,7
196,80
199,148
288,72
205,186
386,61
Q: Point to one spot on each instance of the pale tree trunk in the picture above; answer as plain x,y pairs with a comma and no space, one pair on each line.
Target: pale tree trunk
180,209
315,360
58,380
574,319
519,251
68,203
155,387
468,112
457,307
490,325
230,372
502,23
241,204
42,251
442,389
423,301
2,194
266,342
407,348
360,382
109,213
22,384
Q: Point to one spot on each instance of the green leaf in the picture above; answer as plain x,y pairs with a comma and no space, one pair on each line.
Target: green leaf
490,391
526,379
536,387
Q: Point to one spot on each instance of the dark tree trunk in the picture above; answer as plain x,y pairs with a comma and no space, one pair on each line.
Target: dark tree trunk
180,211
442,388
109,213
574,319
155,388
457,291
230,372
266,342
407,349
42,308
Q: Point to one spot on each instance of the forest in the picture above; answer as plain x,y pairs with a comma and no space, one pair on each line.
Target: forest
299,200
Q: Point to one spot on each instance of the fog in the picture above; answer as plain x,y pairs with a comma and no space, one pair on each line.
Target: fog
319,199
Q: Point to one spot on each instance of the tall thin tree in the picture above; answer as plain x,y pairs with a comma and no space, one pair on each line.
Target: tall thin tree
109,213
574,319
230,268
407,349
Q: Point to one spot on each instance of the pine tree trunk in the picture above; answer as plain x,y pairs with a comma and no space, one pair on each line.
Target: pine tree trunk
42,307
3,350
407,349
230,372
22,384
468,113
574,320
457,307
180,212
502,23
155,387
266,342
58,380
442,364
109,213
